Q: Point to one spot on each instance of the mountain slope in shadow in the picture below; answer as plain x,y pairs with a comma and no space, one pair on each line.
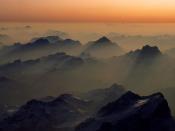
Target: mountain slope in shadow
132,112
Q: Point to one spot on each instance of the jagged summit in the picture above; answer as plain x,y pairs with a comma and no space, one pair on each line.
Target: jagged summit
103,48
65,97
41,41
51,39
146,52
52,115
150,51
103,39
154,103
121,104
132,112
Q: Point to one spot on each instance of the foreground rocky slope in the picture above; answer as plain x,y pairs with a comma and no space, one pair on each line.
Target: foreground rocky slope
132,112
61,113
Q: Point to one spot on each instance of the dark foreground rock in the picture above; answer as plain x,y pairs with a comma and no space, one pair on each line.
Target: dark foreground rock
132,112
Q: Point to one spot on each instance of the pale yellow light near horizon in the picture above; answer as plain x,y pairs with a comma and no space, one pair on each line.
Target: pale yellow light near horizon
87,10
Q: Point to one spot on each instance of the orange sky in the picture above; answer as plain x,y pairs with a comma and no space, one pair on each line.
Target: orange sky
87,10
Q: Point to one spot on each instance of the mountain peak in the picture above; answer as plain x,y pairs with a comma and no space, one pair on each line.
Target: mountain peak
150,113
150,50
103,39
41,41
146,51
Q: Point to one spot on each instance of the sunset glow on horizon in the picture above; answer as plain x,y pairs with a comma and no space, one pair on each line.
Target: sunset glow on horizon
87,11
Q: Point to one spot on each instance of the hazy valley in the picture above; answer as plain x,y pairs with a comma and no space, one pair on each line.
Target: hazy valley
53,83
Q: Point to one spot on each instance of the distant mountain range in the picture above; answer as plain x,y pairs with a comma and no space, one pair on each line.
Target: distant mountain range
56,84
146,51
38,47
44,46
135,69
50,66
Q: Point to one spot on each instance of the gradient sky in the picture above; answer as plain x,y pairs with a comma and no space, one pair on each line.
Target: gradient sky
87,10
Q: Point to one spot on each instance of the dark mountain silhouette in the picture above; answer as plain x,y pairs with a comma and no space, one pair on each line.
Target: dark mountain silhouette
58,113
102,48
38,42
39,47
103,40
47,63
61,113
132,112
140,67
51,39
59,41
146,52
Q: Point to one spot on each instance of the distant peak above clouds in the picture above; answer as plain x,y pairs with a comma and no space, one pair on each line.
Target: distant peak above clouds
146,51
103,39
103,48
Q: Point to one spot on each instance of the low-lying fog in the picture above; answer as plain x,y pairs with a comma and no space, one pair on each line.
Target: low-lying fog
32,71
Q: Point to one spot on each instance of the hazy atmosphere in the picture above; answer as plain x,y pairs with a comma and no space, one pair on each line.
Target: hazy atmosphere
79,65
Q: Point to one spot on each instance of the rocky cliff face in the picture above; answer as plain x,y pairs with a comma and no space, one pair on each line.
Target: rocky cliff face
61,113
132,112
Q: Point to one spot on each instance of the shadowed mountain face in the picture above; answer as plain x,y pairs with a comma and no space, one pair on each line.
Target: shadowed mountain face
126,112
55,114
60,114
147,53
132,113
51,39
102,48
